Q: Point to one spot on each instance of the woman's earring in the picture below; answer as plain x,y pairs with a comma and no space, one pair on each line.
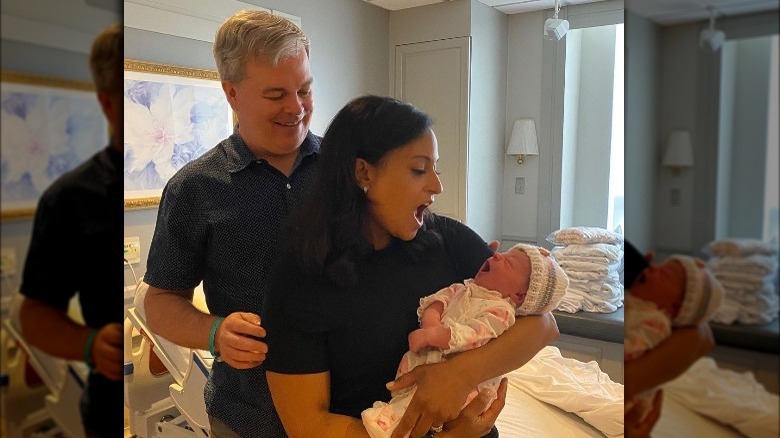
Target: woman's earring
365,189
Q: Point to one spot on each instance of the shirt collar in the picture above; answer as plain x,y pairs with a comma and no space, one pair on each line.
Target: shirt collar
239,156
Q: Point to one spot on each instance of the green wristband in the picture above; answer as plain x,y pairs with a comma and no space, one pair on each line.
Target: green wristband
88,347
212,335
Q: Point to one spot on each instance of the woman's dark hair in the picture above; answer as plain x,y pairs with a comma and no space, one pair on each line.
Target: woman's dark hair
326,235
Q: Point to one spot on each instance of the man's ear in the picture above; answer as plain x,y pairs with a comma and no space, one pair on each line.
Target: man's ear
105,102
230,93
364,172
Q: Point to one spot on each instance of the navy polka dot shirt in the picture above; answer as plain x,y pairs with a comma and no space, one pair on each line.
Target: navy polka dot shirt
221,219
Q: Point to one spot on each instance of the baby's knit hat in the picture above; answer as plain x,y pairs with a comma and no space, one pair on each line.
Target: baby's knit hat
548,282
703,292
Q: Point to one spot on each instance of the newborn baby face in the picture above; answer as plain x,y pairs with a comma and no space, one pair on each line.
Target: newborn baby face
508,273
662,284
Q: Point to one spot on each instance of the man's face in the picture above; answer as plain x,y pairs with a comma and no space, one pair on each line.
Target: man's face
274,105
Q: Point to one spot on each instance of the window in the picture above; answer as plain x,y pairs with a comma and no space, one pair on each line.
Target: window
592,150
581,178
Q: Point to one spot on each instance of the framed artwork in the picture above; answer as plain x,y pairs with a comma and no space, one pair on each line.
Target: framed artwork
172,116
49,127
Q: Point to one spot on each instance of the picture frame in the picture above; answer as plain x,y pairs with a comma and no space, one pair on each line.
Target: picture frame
49,127
173,115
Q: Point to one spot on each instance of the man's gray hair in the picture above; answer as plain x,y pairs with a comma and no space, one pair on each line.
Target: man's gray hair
105,58
255,35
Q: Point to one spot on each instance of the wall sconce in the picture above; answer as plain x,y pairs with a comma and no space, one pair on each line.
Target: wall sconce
522,142
679,152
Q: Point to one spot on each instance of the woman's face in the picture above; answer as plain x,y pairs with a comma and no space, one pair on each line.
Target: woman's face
400,187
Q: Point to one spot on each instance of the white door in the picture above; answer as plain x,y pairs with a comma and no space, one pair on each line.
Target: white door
434,76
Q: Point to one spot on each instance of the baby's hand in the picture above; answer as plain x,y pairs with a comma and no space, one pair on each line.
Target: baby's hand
418,340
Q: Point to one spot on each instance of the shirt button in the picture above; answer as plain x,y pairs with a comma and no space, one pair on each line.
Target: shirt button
289,186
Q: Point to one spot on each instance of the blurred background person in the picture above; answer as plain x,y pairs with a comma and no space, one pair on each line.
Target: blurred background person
82,210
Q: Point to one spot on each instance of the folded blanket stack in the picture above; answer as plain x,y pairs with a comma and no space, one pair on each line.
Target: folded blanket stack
747,269
592,258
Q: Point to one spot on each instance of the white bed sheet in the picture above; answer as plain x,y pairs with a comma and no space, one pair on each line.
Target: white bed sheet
678,421
525,416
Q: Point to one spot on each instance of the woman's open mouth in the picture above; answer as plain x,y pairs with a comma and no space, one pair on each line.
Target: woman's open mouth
418,214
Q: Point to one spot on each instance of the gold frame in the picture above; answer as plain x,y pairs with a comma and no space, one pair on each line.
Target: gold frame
135,65
17,214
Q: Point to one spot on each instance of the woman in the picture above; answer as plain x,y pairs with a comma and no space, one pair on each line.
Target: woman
343,300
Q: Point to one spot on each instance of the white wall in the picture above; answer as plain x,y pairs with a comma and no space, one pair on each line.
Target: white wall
524,97
486,120
679,76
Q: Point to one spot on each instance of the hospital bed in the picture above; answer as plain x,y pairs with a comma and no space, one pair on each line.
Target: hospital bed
170,404
553,396
63,383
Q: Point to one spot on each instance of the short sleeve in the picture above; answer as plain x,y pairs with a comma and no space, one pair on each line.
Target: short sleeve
293,317
467,250
177,254
46,276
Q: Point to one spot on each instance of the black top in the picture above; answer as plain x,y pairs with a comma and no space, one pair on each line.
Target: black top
79,220
220,221
359,334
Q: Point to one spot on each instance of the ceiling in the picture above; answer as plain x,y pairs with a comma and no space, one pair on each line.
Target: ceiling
669,12
663,12
65,24
505,6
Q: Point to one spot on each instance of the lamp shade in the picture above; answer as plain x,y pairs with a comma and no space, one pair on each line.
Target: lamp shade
679,152
523,138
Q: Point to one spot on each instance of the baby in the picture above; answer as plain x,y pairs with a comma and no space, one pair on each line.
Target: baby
522,281
679,292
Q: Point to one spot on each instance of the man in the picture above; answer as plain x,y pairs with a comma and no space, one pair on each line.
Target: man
222,217
82,211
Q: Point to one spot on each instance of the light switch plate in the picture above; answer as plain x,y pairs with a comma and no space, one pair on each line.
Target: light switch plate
520,185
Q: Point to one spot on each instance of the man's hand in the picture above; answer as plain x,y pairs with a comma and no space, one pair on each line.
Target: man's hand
494,245
238,340
107,351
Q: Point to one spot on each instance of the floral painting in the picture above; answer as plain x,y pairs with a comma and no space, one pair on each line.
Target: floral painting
173,115
49,127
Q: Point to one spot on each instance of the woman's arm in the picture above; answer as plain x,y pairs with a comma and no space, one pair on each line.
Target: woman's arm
303,401
668,360
442,388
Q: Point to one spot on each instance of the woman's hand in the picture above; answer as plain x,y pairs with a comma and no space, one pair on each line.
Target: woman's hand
636,429
477,418
439,398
